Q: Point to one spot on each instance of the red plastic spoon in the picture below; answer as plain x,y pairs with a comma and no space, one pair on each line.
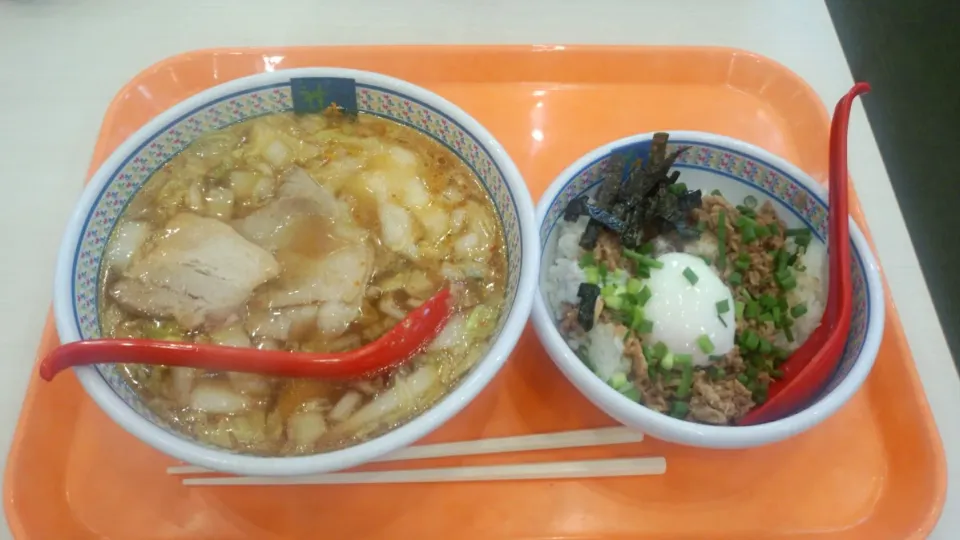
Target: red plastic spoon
811,365
405,339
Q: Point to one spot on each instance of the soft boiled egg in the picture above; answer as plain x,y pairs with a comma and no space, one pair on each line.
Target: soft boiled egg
684,307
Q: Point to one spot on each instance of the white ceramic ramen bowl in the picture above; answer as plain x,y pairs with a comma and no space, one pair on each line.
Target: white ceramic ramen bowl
737,169
126,170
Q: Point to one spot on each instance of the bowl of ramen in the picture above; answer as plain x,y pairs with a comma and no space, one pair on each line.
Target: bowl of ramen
303,210
678,272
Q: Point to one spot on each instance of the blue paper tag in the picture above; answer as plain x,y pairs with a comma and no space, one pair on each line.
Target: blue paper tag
315,94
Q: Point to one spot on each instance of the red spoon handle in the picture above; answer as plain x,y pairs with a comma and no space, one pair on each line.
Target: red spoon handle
811,365
400,343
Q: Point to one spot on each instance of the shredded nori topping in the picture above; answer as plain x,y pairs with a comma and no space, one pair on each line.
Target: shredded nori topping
588,294
635,199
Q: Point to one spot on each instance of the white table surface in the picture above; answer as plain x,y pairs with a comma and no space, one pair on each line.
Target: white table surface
63,60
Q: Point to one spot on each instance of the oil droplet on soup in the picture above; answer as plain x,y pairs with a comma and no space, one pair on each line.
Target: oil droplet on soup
303,233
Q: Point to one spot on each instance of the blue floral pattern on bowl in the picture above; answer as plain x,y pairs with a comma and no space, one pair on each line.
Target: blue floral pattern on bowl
137,168
789,192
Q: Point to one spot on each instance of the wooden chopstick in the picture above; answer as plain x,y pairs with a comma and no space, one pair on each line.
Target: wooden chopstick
597,468
497,445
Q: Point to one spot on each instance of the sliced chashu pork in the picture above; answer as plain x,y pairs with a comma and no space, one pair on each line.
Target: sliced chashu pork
340,276
299,195
200,273
327,286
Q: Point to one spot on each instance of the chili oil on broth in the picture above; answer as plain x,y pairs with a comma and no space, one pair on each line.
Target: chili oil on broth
329,205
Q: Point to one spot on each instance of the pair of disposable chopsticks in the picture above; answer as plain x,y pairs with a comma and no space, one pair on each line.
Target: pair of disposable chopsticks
595,468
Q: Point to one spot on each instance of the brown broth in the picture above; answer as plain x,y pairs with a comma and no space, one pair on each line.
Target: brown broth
366,164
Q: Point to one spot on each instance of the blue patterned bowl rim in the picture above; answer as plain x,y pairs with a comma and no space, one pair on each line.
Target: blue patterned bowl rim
134,161
756,169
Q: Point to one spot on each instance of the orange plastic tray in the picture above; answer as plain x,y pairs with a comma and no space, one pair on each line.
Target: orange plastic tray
876,470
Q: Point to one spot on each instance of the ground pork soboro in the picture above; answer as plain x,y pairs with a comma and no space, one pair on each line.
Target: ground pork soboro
718,402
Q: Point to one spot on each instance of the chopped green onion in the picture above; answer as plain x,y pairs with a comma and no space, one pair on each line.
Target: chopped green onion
782,302
750,340
677,189
722,239
686,382
618,380
765,346
752,310
750,201
634,285
632,393
752,372
767,301
774,228
775,313
742,265
690,275
803,240
798,310
706,260
765,317
776,374
744,222
762,232
591,274
701,226
735,278
644,296
705,344
748,234
723,306
723,322
613,302
647,352
799,231
681,360
660,350
603,272
667,362
738,309
642,259
789,284
717,372
746,210
782,260
743,379
643,271
787,333
679,409
587,259
646,248
645,327
716,193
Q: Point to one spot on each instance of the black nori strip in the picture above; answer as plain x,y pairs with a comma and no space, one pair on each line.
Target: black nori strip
588,294
590,236
575,209
610,188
